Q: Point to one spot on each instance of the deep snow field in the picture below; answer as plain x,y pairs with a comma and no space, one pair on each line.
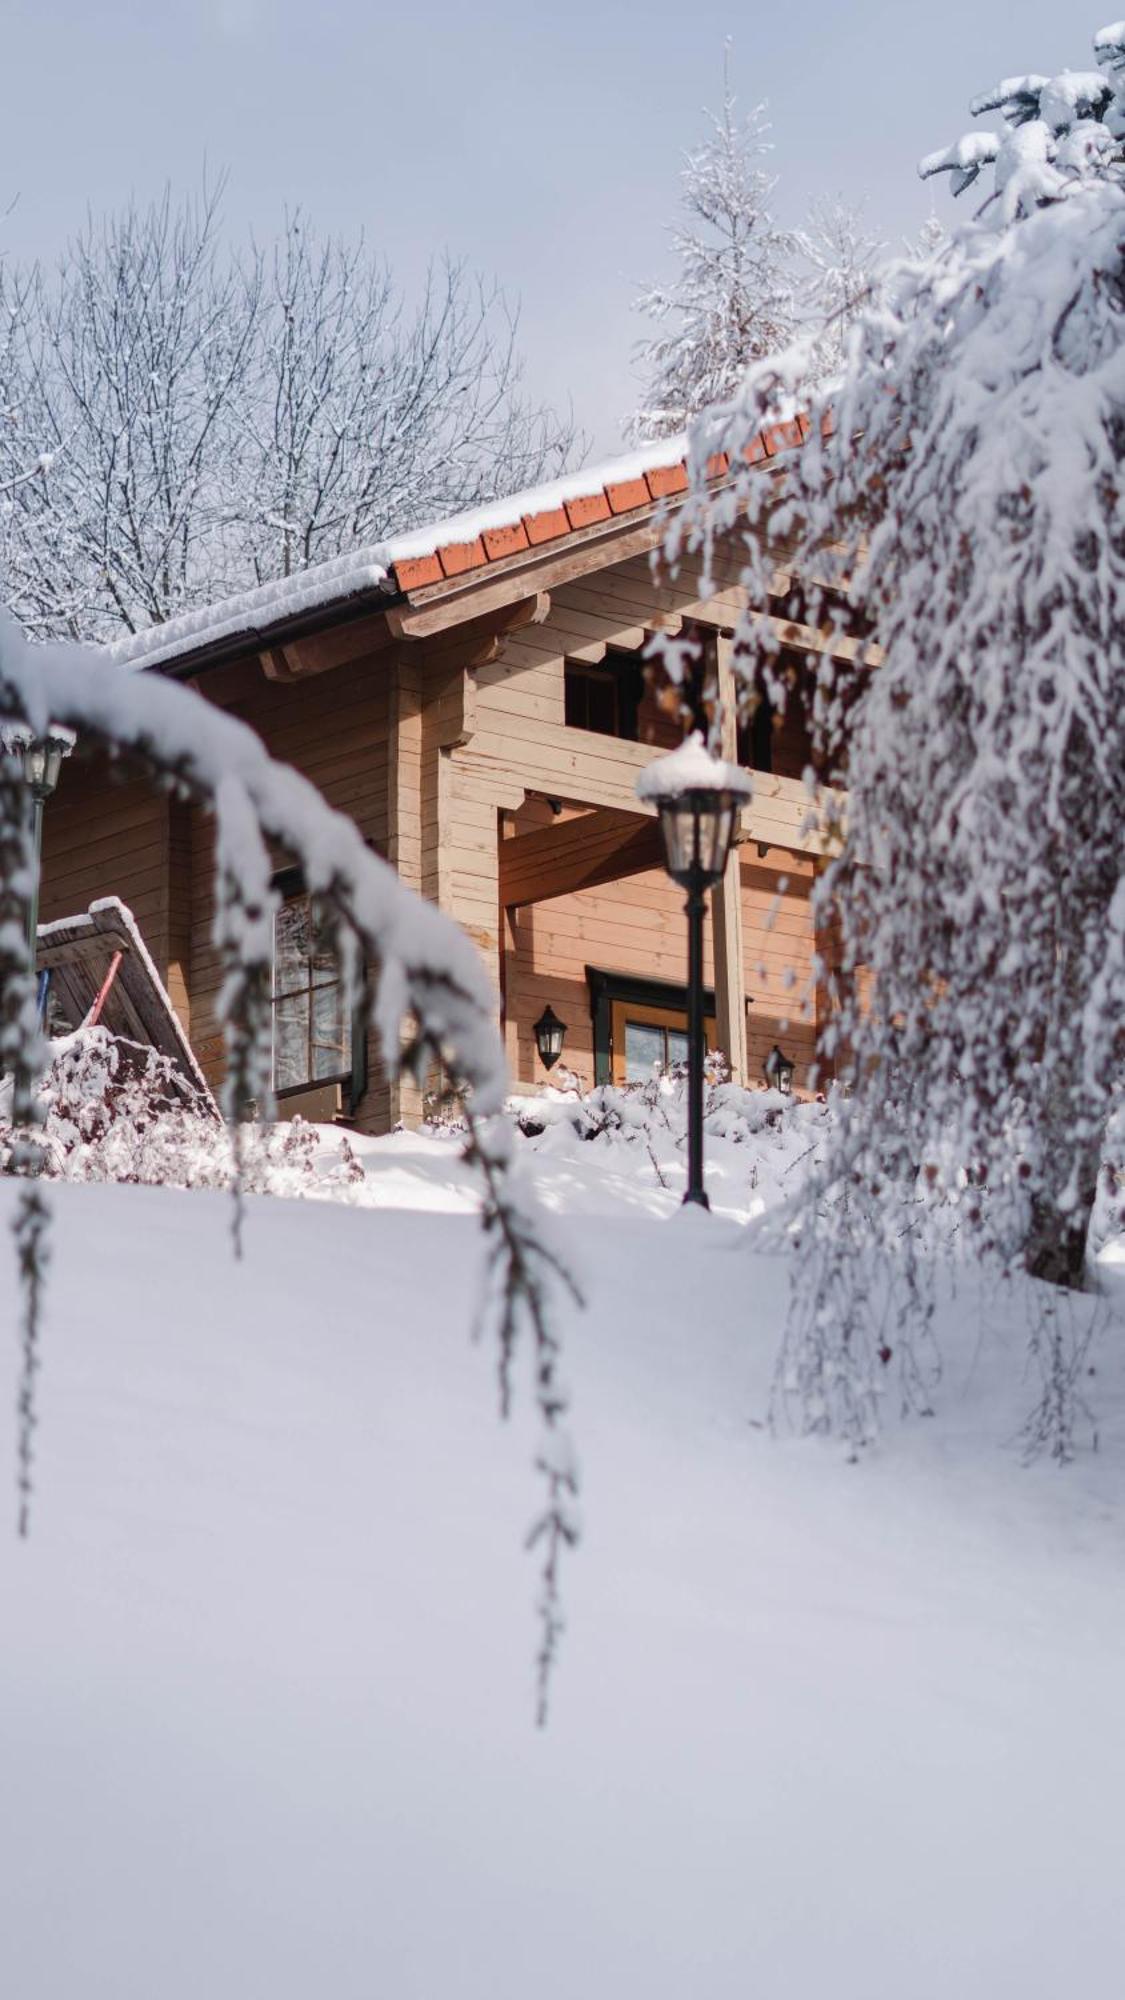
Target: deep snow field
820,1731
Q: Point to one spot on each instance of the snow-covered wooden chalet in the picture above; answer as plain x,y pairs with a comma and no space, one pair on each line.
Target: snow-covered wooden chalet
473,695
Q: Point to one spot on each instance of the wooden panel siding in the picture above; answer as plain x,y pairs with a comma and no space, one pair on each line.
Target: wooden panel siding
636,927
519,734
334,728
104,835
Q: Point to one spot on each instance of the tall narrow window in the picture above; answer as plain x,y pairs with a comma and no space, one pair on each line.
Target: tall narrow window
312,1036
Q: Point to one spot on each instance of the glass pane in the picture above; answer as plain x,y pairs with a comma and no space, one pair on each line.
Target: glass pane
323,964
323,969
291,1041
677,1046
312,1034
291,945
644,1050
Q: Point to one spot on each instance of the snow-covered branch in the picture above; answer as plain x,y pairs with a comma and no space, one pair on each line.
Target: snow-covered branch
430,977
959,504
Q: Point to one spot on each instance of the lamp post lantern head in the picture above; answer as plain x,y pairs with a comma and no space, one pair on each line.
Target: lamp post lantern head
550,1034
699,798
41,756
779,1071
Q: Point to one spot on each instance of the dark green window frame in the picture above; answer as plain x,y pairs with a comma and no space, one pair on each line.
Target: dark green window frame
606,987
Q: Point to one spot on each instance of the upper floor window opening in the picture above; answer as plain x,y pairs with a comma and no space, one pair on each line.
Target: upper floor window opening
604,698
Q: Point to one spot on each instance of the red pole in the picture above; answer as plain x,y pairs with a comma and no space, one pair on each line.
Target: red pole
94,1015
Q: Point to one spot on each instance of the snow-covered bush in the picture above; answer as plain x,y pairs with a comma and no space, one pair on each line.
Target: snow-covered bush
632,1109
959,509
642,1128
111,1110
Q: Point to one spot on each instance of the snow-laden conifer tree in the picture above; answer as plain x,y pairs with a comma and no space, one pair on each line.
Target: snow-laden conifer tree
843,262
961,504
732,299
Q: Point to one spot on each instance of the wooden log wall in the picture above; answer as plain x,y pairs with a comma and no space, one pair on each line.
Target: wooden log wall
104,835
334,728
637,927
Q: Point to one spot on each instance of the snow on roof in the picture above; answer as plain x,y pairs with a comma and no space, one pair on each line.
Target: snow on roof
443,550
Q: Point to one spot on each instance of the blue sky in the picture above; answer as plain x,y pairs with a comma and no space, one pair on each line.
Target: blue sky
541,141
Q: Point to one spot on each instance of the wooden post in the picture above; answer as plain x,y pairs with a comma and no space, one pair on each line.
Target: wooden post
726,899
404,835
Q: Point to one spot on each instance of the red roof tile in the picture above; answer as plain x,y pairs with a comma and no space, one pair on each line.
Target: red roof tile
602,503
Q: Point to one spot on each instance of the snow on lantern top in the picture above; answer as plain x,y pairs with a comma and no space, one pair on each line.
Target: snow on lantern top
691,768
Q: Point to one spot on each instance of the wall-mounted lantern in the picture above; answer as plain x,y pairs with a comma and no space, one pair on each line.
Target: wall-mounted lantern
550,1034
779,1071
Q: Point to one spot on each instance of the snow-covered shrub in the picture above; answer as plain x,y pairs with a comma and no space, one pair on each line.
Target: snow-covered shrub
111,1110
958,508
758,1141
629,1109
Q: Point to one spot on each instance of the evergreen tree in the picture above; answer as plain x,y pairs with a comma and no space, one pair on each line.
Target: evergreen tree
732,300
843,274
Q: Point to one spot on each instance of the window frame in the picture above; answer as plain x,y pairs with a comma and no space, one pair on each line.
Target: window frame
621,672
624,1012
290,887
608,990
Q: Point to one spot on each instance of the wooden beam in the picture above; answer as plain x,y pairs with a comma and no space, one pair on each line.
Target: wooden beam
319,652
577,853
807,639
505,612
726,898
404,832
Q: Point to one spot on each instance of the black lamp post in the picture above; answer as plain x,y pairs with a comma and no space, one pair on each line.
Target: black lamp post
779,1071
550,1034
699,798
42,760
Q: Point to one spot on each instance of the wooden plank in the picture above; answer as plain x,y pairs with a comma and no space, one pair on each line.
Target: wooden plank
79,950
320,652
576,853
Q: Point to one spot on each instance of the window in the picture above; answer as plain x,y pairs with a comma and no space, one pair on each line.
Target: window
604,698
779,740
647,1038
639,1022
312,1036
